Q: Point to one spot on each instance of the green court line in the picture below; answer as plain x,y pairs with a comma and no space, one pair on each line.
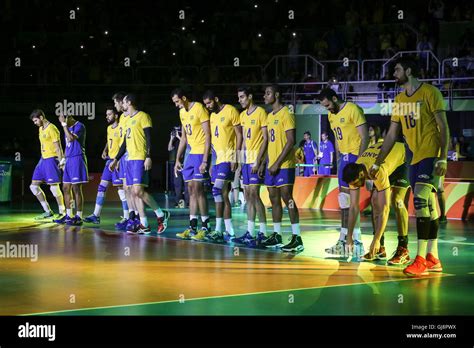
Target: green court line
234,295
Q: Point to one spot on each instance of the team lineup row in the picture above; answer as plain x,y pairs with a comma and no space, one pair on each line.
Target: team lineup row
264,144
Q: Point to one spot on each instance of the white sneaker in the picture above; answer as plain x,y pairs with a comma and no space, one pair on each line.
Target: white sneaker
338,249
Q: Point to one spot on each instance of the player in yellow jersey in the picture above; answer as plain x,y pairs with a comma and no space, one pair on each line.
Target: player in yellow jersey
348,123
389,185
47,170
419,112
226,138
112,146
280,173
196,136
254,148
138,145
133,218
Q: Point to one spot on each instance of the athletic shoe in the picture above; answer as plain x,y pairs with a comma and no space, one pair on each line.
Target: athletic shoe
251,242
200,235
260,238
273,241
228,237
242,238
186,234
295,245
433,264
75,221
215,237
443,220
132,225
163,222
62,220
143,230
45,215
122,224
358,249
381,255
92,219
338,249
400,256
417,268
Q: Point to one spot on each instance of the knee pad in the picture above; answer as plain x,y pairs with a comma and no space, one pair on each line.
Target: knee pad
55,190
217,191
103,186
35,189
344,200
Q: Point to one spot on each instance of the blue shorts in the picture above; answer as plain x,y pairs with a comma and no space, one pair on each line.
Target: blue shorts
248,177
122,170
343,161
222,171
284,177
75,170
324,169
47,170
422,173
136,173
109,176
191,168
308,171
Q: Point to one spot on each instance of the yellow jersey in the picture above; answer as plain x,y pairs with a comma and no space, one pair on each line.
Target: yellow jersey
278,123
395,159
299,155
123,126
253,125
113,140
416,115
191,121
344,125
223,134
48,136
135,135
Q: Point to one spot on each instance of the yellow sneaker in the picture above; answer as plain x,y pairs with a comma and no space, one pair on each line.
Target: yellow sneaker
200,235
186,234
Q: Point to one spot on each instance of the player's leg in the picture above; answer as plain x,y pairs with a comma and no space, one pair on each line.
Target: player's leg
79,199
67,202
441,201
401,255
432,258
99,202
202,207
296,243
39,194
188,175
138,193
275,239
229,227
58,195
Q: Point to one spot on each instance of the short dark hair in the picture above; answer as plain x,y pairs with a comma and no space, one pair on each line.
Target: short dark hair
119,96
351,172
409,63
302,142
36,113
307,132
180,92
247,90
327,93
132,98
111,107
324,132
209,94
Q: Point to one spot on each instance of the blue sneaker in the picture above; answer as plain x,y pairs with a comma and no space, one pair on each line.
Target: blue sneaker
132,225
251,242
260,238
242,239
92,219
228,237
75,221
122,224
62,220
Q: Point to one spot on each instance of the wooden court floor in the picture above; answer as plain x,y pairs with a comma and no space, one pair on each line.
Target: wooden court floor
94,270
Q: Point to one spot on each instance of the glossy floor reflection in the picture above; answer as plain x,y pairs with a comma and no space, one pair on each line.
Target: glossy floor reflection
94,270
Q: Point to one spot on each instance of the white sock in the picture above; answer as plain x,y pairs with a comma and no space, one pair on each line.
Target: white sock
219,224
159,213
422,245
204,218
69,212
277,227
62,209
263,228
97,210
295,229
144,221
126,215
228,226
193,217
250,226
433,247
136,213
79,213
45,206
356,234
343,234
